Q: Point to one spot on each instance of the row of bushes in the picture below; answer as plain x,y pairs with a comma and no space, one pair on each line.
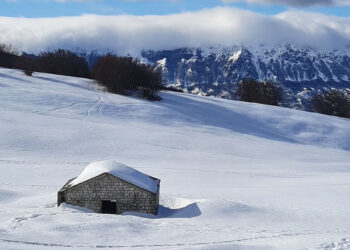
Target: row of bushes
332,102
61,62
120,75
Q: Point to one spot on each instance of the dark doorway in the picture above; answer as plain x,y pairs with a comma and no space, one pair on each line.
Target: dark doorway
109,207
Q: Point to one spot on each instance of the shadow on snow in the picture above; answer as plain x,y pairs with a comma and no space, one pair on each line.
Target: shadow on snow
189,211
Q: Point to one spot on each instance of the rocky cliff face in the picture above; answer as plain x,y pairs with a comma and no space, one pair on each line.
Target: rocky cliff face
216,71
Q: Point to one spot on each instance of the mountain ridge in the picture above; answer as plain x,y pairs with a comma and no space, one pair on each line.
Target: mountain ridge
301,72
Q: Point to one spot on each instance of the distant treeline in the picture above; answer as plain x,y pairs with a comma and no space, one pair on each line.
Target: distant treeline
330,102
121,75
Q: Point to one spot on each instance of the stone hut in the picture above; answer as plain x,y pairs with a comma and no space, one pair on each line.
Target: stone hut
111,187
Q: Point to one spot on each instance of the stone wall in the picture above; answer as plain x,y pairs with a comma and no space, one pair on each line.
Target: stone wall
128,197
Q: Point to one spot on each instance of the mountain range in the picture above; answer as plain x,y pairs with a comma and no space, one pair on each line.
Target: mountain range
216,71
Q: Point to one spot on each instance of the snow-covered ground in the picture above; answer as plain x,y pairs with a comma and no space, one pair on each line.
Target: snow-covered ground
233,175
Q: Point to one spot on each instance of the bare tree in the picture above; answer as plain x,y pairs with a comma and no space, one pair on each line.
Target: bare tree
8,49
123,74
8,55
250,90
62,62
332,102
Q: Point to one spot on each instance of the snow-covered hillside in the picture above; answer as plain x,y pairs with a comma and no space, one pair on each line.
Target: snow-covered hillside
233,175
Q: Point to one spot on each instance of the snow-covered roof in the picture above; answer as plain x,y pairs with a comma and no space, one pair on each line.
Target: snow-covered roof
119,170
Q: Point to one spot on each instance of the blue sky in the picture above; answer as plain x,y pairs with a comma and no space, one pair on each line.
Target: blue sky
55,8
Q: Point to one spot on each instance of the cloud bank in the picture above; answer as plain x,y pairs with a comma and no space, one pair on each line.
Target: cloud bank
219,26
295,3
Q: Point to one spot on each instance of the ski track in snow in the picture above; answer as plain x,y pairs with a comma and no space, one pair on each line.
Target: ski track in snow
344,244
163,245
98,106
70,105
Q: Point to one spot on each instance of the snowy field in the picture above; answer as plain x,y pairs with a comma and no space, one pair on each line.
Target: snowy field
233,175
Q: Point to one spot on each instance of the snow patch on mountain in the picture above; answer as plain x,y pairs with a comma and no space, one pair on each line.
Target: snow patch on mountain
235,56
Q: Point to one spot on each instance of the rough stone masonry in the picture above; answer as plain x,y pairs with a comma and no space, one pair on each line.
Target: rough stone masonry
106,187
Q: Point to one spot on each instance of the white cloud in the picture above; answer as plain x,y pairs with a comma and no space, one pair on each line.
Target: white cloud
295,3
131,34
